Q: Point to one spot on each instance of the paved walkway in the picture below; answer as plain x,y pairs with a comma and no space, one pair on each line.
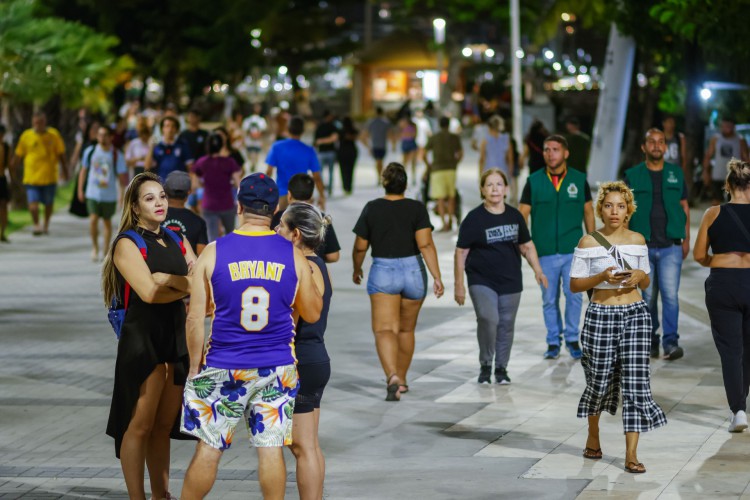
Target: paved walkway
449,437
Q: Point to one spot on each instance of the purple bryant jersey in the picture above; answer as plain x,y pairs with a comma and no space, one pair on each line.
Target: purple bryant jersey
254,284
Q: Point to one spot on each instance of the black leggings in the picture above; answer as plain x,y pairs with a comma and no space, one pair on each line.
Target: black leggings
728,304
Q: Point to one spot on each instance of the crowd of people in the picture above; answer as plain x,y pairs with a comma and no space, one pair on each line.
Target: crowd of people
250,248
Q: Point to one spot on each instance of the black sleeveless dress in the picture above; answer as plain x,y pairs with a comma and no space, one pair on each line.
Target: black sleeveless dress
151,334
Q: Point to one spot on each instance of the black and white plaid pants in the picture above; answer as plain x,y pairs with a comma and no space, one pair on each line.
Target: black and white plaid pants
616,341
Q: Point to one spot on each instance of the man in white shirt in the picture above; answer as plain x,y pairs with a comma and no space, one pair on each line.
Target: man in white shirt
254,127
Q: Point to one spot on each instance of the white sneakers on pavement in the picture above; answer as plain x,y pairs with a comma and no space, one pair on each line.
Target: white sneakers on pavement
739,422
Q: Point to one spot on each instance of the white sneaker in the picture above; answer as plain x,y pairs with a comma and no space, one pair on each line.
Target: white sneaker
739,422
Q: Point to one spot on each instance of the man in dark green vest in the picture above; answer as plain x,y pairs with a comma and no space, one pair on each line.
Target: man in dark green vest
663,218
558,200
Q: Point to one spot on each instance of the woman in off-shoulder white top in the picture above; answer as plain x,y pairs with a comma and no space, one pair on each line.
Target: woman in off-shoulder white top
616,334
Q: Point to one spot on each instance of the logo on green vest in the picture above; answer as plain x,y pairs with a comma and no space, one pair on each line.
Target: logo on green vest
672,179
573,191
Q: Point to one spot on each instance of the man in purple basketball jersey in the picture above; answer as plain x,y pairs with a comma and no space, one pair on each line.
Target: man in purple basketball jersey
255,281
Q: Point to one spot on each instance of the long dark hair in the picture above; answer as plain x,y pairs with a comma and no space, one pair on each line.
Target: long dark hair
129,220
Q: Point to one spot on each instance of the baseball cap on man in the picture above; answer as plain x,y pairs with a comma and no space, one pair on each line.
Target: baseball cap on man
177,184
260,192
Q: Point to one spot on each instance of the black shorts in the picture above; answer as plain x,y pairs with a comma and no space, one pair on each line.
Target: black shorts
312,381
378,153
4,192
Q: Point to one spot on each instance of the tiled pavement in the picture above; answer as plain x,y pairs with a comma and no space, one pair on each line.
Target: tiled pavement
448,438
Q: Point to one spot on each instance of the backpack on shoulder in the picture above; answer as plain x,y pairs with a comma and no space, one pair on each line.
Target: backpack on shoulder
119,306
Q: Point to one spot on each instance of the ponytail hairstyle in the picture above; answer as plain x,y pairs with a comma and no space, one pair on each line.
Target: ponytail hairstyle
310,222
129,220
738,175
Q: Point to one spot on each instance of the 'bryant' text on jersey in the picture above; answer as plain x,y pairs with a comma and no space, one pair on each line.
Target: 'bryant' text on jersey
255,269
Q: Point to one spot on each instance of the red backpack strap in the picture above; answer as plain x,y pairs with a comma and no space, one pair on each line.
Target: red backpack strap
141,244
177,239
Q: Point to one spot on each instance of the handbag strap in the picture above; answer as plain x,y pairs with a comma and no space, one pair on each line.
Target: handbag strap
737,220
607,245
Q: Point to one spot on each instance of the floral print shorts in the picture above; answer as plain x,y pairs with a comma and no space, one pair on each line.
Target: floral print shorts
216,399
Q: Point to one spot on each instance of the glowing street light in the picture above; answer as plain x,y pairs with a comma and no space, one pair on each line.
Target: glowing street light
467,52
706,94
549,55
255,33
439,25
283,70
489,53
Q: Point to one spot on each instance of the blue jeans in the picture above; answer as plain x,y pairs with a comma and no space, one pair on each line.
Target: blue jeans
666,265
226,218
328,159
557,269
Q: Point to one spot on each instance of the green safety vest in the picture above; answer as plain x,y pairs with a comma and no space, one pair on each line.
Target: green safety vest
673,181
556,215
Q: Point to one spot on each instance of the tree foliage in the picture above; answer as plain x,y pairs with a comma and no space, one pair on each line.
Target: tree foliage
45,57
192,42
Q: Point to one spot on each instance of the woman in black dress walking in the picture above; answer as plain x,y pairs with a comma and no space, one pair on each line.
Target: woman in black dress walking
152,356
348,153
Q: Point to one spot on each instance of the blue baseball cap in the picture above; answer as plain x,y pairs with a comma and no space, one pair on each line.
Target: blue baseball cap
258,191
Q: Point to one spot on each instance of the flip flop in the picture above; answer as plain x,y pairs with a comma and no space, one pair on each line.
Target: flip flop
392,390
637,468
593,454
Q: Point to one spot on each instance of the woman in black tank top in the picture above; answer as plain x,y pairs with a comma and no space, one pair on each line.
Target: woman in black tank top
152,356
726,230
304,225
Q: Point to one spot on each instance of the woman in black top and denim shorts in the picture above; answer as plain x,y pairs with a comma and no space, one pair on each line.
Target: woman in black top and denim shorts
400,233
726,230
304,225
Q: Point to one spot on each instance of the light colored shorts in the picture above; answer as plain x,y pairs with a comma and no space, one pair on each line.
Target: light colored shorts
216,400
443,184
405,276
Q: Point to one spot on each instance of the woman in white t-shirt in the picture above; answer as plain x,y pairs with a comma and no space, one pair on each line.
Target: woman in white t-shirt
616,334
137,149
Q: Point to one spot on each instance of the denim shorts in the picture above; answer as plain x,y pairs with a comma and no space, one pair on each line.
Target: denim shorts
404,276
41,194
408,145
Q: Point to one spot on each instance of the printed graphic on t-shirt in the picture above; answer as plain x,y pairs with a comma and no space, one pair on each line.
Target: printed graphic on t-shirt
507,232
673,151
726,150
175,225
101,169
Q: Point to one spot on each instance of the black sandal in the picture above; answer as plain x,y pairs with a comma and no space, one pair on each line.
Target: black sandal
637,468
593,454
393,393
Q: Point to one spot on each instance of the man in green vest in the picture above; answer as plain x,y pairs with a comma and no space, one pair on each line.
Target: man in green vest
558,200
663,218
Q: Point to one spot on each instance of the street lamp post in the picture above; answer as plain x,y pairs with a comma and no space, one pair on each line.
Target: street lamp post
515,56
439,26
